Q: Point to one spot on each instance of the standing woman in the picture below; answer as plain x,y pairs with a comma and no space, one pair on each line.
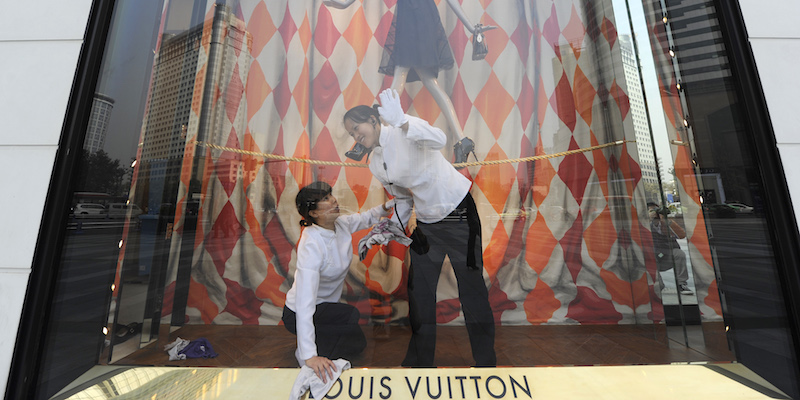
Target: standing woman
405,158
326,329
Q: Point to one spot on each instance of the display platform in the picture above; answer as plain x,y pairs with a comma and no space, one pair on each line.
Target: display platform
676,381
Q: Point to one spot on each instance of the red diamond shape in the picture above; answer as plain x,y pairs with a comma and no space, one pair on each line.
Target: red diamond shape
282,94
522,39
551,31
610,32
330,35
525,102
525,170
287,28
563,102
233,94
326,91
621,98
458,42
324,149
461,102
571,245
543,173
228,164
277,168
242,303
382,30
575,171
222,238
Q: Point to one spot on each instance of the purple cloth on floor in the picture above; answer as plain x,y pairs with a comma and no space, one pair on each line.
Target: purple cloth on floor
198,348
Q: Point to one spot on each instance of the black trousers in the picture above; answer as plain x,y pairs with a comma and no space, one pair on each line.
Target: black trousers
338,334
457,237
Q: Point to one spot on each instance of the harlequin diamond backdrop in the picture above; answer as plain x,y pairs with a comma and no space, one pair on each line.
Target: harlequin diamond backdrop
563,238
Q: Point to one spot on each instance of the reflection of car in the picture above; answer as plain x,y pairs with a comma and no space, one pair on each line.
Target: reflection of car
741,208
120,210
88,210
720,210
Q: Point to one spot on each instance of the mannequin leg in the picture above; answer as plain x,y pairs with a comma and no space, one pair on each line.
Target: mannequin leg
464,145
444,102
399,80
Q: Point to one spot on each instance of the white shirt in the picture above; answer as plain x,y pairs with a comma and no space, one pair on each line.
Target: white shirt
323,260
414,171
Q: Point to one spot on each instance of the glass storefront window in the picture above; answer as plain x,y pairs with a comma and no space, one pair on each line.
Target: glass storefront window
619,207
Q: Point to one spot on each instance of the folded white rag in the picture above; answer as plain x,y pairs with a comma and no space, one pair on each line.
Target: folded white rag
381,233
307,379
175,347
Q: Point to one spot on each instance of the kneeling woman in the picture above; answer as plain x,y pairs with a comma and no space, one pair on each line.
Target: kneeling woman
326,329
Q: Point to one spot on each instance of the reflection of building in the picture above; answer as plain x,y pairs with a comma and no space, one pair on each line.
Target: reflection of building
98,123
184,65
706,77
638,111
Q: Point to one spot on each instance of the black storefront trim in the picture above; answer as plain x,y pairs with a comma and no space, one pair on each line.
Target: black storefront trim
27,357
26,361
779,211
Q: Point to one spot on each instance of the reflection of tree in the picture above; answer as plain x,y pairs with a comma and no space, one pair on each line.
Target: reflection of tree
99,173
652,192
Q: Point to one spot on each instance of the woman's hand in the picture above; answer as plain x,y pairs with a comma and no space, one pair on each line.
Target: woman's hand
340,4
322,367
391,110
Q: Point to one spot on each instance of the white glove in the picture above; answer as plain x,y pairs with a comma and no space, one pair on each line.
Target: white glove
391,111
389,205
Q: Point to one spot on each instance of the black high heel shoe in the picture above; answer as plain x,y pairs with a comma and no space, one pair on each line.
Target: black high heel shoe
462,149
357,152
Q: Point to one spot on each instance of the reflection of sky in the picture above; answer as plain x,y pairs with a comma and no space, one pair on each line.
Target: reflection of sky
657,122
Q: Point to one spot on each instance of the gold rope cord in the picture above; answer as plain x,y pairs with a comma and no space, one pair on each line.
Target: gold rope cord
457,165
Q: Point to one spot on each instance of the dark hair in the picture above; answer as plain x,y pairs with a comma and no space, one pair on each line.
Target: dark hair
307,198
652,204
360,114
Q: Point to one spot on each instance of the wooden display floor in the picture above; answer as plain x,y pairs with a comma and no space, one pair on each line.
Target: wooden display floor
517,346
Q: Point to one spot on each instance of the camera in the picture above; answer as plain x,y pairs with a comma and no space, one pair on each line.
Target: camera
656,211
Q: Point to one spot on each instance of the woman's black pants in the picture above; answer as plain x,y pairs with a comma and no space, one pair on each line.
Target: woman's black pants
458,237
338,334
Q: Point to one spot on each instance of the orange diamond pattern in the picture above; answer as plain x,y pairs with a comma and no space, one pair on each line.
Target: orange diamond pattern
534,93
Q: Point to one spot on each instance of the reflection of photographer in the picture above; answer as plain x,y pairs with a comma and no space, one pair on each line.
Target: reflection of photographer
666,233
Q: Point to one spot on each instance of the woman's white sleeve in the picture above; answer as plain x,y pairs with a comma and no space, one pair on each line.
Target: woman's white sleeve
363,220
309,262
424,134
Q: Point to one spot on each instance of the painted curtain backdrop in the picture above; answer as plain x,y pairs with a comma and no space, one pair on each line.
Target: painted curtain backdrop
565,240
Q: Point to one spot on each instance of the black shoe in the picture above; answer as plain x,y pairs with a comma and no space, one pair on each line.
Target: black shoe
126,332
462,149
